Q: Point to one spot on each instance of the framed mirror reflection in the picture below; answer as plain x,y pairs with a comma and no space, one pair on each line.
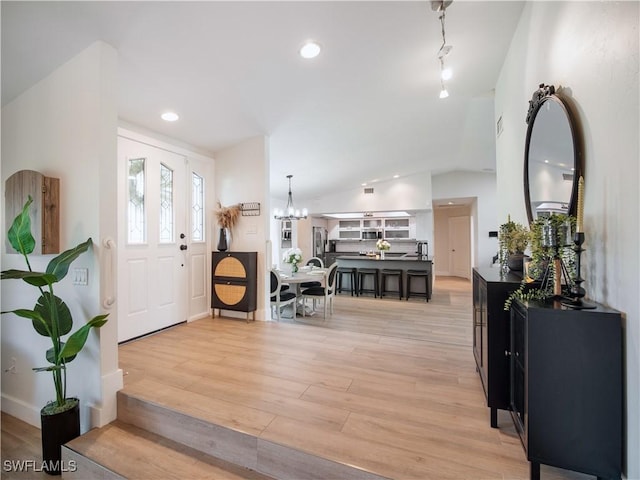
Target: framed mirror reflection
552,161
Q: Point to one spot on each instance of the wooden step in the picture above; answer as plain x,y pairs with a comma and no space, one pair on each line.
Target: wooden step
245,449
119,450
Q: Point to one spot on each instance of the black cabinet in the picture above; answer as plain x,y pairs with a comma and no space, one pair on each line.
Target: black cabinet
234,282
491,334
566,387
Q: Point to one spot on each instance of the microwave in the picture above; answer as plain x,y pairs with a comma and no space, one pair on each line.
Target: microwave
371,235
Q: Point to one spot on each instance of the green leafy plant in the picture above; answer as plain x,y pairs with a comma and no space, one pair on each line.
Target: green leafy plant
526,294
550,237
559,229
514,236
513,239
50,316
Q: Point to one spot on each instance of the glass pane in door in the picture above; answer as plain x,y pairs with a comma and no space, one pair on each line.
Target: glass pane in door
166,204
197,208
136,217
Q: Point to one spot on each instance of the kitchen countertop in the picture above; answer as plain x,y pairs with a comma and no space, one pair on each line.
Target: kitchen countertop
387,258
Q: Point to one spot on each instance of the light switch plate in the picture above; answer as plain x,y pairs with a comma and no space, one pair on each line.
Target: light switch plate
80,276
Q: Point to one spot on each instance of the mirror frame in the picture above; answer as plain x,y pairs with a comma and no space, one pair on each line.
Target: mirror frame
544,94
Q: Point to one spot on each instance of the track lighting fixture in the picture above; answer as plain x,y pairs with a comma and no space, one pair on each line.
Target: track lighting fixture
445,73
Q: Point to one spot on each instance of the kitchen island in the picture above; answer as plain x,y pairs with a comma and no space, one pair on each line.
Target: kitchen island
402,262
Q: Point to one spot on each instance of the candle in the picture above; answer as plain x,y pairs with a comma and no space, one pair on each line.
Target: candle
579,224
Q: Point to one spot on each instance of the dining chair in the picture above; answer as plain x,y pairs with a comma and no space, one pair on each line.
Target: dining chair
280,298
315,262
327,292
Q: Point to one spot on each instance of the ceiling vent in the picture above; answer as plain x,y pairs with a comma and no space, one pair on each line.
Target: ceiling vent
568,177
368,191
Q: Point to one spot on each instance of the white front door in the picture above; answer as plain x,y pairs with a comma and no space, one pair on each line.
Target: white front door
152,260
460,243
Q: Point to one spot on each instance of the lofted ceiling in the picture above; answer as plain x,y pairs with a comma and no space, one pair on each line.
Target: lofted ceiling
364,110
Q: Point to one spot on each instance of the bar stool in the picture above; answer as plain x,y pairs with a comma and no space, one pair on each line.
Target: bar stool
387,272
418,274
352,272
364,273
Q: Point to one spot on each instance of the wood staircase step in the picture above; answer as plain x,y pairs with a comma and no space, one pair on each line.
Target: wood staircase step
120,450
155,440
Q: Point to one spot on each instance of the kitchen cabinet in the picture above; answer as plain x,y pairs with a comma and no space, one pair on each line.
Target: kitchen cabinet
372,228
566,387
491,338
349,229
398,228
234,284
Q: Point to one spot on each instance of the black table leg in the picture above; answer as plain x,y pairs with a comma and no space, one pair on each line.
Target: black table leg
535,471
494,417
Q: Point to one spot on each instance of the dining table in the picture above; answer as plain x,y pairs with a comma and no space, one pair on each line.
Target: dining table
303,275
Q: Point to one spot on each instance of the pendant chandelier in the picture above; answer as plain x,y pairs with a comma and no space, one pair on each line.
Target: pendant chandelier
290,212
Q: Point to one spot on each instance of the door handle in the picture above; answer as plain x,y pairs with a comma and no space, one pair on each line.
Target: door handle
183,247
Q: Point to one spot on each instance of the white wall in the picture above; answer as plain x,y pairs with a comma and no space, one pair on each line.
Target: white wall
482,186
405,193
65,127
241,176
590,49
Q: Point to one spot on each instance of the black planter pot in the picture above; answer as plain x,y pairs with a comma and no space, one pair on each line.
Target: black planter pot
514,261
58,429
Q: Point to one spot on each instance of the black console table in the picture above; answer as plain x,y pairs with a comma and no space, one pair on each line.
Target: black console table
566,387
491,288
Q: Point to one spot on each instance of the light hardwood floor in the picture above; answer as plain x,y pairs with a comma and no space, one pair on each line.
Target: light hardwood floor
386,385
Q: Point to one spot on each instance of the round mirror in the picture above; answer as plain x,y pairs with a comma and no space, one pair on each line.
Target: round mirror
551,158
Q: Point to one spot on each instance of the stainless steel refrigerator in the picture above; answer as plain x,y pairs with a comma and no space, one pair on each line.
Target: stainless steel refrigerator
319,243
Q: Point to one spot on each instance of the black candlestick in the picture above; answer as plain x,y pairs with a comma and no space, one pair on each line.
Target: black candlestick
577,292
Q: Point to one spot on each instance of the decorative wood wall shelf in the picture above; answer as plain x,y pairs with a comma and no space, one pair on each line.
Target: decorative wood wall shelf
251,209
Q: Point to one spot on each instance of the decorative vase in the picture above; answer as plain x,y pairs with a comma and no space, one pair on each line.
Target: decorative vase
223,241
58,429
381,254
515,261
294,268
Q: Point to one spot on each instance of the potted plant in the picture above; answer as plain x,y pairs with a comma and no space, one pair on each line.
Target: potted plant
226,217
552,236
552,258
514,239
52,318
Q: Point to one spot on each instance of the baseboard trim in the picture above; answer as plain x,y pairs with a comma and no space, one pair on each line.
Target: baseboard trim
21,410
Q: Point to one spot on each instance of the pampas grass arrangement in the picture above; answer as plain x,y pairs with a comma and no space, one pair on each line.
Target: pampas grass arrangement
227,217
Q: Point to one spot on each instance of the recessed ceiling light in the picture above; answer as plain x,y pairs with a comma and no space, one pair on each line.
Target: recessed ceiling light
310,50
364,184
396,176
169,116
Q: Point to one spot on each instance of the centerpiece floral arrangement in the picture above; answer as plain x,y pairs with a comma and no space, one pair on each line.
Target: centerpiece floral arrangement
294,257
383,245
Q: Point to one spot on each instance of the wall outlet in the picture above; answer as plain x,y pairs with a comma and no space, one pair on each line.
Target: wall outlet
12,367
80,276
